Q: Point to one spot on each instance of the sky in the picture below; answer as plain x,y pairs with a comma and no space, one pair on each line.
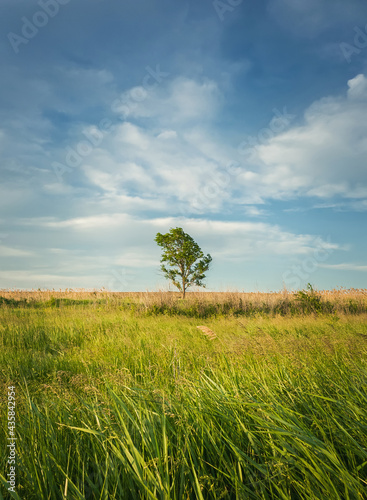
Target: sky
242,122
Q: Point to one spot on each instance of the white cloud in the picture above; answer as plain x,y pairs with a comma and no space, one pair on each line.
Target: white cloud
232,239
243,240
13,252
358,87
181,100
324,157
34,279
253,211
168,168
167,134
190,100
118,251
87,223
179,163
132,135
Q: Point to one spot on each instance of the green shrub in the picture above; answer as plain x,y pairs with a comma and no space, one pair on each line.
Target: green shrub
309,301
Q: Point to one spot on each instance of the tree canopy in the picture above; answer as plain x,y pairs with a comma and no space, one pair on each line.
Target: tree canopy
180,259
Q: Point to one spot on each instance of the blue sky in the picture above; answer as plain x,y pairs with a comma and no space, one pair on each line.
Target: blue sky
242,122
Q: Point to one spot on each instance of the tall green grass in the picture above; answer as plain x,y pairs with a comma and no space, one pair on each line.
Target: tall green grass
110,405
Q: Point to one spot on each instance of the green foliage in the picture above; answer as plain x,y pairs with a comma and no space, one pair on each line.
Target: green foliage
309,300
182,255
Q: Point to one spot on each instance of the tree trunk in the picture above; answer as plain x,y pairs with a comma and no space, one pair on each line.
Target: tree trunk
183,292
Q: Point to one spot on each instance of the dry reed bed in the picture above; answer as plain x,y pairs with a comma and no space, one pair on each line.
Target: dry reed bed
170,298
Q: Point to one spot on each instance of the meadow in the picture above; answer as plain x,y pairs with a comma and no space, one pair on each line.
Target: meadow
122,396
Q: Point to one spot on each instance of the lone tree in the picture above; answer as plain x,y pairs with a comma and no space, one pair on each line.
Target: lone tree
181,252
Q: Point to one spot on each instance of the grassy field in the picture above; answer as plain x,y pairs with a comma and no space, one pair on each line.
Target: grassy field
123,396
